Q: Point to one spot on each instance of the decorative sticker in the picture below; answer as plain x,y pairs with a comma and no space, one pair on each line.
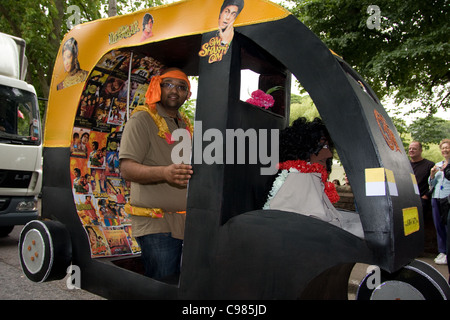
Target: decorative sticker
130,30
74,73
391,183
411,222
416,186
387,133
147,26
218,45
375,182
124,32
375,179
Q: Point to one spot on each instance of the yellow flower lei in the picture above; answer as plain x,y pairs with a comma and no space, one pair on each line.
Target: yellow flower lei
162,124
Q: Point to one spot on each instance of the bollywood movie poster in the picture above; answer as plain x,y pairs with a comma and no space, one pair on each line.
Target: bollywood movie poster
138,97
79,144
117,112
98,241
131,240
97,154
117,241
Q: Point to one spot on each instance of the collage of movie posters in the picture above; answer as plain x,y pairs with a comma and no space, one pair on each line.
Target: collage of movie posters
99,191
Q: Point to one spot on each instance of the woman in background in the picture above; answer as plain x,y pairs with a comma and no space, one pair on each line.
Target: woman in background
439,200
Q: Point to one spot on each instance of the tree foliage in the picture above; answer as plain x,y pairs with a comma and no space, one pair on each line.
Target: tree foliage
406,57
430,130
302,106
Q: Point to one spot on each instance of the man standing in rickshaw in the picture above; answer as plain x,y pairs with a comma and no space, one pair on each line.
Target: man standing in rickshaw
158,186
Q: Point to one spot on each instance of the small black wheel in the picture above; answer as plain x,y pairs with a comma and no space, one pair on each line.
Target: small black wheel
5,230
45,250
416,281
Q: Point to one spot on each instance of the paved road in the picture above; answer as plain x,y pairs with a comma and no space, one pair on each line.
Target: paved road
15,286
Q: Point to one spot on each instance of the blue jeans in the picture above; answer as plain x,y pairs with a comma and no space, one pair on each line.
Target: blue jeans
441,229
161,254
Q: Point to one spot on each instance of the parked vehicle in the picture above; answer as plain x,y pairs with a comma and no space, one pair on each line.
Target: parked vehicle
20,138
232,249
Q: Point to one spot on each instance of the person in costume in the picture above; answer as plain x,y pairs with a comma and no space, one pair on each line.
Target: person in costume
158,186
302,186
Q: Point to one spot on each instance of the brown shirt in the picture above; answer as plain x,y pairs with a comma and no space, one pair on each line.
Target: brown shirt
140,142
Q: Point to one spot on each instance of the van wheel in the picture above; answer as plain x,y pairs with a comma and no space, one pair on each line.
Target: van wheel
45,250
416,281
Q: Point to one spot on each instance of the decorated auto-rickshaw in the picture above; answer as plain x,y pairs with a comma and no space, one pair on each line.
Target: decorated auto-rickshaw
233,249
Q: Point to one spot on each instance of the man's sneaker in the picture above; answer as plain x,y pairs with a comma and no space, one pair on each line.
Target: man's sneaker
441,259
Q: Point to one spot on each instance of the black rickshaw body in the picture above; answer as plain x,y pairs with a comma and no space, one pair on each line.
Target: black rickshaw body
233,249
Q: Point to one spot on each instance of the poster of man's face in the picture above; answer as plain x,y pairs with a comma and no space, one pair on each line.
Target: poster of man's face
228,13
218,45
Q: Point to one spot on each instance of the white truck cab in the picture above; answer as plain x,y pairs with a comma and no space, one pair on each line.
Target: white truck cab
20,139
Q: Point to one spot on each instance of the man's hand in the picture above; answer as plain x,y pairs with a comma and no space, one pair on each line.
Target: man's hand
178,174
227,35
175,174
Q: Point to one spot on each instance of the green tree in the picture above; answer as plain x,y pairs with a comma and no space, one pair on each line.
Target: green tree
406,57
433,153
43,25
302,106
429,130
188,108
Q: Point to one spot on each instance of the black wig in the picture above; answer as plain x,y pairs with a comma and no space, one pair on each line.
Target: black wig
303,138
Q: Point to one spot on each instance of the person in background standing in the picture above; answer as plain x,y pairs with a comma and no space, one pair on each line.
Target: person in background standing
421,168
447,176
441,190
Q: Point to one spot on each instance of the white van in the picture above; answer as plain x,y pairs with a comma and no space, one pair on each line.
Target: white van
20,139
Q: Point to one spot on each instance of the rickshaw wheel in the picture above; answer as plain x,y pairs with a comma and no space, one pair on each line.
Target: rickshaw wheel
45,250
416,281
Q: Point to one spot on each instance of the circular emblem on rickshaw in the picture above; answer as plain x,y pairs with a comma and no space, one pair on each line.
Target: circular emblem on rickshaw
387,133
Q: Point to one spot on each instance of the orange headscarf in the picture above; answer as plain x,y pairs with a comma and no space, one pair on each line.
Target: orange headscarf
153,94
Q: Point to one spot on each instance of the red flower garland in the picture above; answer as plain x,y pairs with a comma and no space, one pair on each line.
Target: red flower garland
305,167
